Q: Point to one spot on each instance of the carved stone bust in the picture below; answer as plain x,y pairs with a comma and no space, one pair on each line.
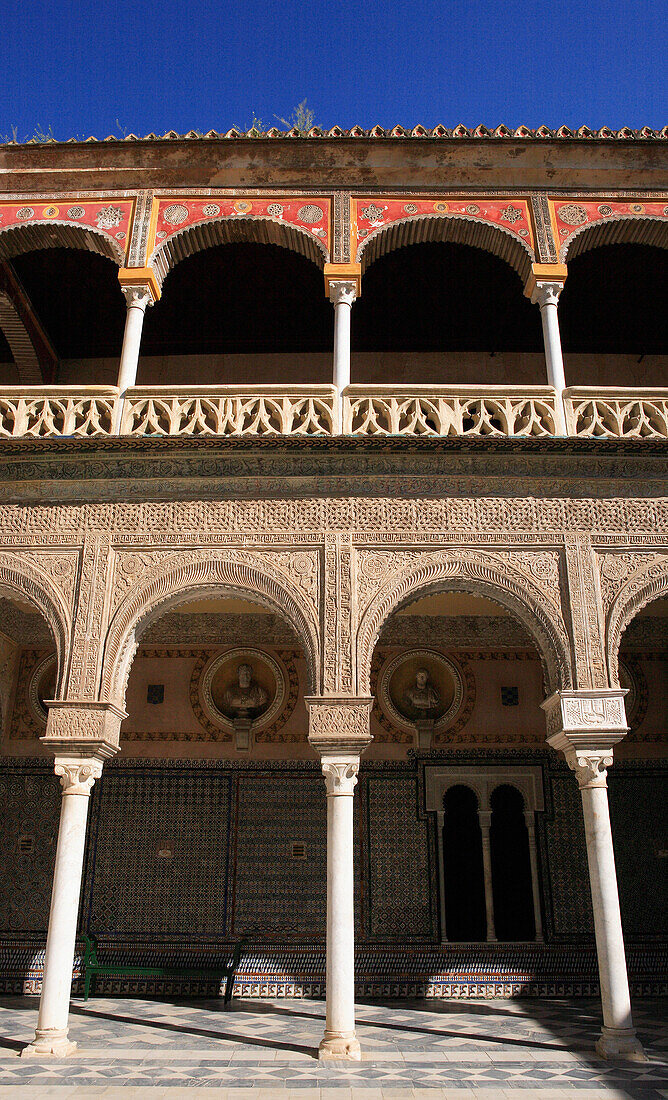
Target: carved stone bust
246,698
422,698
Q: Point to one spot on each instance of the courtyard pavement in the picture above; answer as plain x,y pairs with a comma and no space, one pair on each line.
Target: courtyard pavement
138,1047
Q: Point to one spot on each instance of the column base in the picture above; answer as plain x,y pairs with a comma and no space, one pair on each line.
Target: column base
620,1043
49,1042
337,1045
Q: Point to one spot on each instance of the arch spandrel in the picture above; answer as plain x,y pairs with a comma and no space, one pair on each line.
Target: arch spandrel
26,581
643,587
18,239
447,228
249,229
202,574
649,229
479,574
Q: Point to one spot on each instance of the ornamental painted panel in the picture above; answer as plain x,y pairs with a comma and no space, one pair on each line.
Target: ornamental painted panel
373,212
570,216
312,215
111,217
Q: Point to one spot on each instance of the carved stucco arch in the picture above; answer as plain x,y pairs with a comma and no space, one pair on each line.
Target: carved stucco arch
200,575
252,228
481,575
451,228
616,229
33,235
31,584
645,586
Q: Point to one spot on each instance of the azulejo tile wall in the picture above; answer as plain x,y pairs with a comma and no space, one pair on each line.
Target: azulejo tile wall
183,857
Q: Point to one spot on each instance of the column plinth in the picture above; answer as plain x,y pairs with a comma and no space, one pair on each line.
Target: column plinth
339,732
585,725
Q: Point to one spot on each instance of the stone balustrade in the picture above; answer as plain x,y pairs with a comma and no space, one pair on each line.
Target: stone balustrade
317,410
449,410
620,413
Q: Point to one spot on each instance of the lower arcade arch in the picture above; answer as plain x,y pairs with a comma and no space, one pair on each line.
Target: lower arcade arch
480,575
183,577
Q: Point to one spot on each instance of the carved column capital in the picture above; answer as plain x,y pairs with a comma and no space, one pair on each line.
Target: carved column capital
139,296
342,293
545,283
85,728
339,724
585,725
340,774
78,773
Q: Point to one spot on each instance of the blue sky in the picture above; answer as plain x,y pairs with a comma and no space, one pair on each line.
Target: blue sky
79,67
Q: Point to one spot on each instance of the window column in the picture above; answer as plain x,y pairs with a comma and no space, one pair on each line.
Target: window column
485,819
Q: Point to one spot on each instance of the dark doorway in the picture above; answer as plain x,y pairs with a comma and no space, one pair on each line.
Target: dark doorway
463,869
511,867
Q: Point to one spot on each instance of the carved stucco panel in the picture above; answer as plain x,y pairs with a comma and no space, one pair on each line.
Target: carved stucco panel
23,577
88,632
585,612
61,566
616,568
643,585
531,592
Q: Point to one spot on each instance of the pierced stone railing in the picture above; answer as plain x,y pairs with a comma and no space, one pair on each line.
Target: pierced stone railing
230,410
617,413
317,410
449,410
57,411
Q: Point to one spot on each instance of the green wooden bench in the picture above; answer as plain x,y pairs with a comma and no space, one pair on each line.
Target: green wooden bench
91,967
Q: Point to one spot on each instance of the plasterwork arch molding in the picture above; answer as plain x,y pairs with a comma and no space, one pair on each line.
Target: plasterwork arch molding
481,575
252,228
201,575
29,583
450,228
616,229
16,239
642,588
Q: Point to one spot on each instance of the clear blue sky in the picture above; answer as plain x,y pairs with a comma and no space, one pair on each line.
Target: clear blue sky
78,66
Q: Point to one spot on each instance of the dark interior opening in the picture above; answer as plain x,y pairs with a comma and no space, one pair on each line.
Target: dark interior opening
463,868
511,867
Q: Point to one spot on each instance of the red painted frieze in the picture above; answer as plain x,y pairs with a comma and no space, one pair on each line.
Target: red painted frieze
571,215
512,215
312,215
109,216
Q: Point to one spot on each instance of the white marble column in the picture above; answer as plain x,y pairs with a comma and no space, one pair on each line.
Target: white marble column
340,774
547,297
585,725
529,818
485,819
137,299
77,775
339,732
342,294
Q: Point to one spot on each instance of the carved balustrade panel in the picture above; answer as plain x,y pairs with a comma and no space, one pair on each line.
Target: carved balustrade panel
621,414
56,414
448,414
226,413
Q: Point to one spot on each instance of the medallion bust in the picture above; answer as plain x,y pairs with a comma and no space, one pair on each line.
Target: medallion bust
422,696
246,698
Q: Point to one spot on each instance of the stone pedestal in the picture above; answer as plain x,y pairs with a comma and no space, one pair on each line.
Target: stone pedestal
425,733
243,734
